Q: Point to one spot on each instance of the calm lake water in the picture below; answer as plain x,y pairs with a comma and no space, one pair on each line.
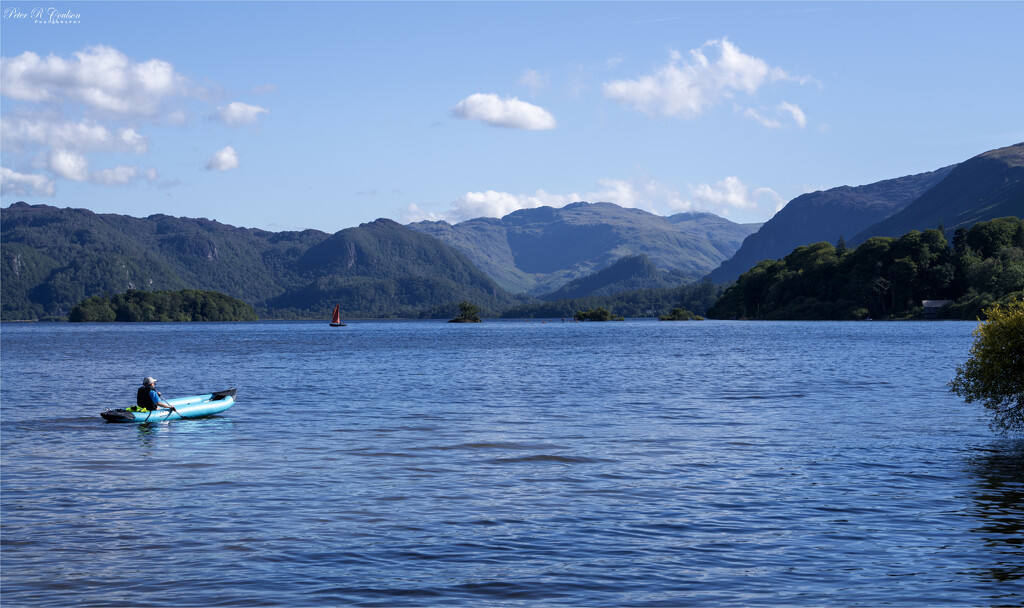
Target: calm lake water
506,463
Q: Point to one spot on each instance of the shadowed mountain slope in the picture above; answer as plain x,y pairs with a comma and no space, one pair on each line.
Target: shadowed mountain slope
988,186
825,216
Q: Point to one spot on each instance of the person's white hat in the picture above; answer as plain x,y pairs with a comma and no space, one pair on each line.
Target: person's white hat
148,381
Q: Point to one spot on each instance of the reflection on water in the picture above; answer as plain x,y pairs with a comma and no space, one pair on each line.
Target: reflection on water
999,504
189,437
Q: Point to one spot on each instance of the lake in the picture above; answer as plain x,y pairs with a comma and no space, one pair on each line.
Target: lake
506,463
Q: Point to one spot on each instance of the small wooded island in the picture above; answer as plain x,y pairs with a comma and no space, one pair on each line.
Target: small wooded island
468,313
680,314
597,314
184,305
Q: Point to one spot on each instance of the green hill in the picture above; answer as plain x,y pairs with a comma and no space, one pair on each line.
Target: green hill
885,277
384,269
630,273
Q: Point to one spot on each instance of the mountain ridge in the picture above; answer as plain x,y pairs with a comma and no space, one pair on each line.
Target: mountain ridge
538,250
825,215
993,183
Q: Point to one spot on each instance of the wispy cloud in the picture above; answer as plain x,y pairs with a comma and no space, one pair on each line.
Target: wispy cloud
25,184
534,80
238,113
784,114
509,112
116,176
689,85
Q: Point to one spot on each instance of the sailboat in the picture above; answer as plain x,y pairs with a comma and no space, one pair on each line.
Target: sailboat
336,318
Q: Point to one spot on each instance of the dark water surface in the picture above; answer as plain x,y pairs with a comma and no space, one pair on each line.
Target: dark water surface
506,464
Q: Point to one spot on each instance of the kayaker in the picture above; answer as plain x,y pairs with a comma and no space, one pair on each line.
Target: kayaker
148,398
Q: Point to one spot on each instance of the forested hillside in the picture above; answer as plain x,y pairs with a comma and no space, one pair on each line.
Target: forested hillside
885,277
985,187
51,259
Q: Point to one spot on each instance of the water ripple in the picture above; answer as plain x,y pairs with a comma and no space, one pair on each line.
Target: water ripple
629,464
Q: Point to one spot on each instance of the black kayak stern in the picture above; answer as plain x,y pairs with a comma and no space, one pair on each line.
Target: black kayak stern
118,416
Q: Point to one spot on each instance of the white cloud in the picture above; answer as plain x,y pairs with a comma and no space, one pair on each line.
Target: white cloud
118,176
133,140
223,160
69,165
238,113
111,94
642,193
413,213
75,167
724,198
21,184
784,113
732,194
498,204
510,112
100,77
86,135
687,86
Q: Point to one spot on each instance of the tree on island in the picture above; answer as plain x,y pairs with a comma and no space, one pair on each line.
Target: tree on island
596,314
160,306
680,314
994,373
468,313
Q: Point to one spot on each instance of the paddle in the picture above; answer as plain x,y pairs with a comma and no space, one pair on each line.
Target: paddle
169,407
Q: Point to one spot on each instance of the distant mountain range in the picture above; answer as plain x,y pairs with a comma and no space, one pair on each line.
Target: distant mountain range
985,187
540,250
52,258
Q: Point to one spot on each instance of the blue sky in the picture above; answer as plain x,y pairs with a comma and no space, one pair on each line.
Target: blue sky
325,115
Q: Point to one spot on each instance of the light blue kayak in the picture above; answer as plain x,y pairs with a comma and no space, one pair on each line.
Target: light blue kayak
199,406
